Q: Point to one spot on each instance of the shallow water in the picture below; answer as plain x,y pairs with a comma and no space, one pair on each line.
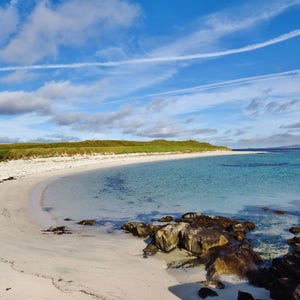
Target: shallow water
236,186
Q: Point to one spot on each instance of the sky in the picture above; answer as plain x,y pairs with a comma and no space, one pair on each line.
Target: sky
225,72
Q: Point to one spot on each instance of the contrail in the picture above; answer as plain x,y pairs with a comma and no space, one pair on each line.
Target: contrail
227,83
162,59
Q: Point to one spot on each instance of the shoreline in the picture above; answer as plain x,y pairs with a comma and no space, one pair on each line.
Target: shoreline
76,266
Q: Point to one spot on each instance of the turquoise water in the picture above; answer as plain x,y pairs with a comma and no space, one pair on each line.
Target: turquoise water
237,186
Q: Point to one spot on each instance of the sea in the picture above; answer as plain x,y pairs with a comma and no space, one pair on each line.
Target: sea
263,187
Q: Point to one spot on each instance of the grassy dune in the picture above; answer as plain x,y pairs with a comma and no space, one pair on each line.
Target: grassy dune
30,150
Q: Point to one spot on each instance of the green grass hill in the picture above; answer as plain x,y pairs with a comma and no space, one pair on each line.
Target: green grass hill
31,150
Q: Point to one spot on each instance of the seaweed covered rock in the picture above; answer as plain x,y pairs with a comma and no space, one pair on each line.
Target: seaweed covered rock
294,244
58,230
283,277
150,250
286,271
140,229
88,222
200,240
167,238
238,259
166,219
216,241
294,230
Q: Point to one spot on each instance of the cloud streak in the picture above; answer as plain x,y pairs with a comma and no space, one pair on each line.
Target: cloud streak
164,59
227,83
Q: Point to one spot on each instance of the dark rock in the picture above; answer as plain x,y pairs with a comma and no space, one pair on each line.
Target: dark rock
8,179
295,230
284,289
166,219
262,277
265,208
190,216
279,212
244,296
294,244
296,292
140,229
58,230
218,242
167,238
206,292
200,240
239,230
287,266
150,250
283,277
68,219
238,259
199,220
214,283
244,227
87,222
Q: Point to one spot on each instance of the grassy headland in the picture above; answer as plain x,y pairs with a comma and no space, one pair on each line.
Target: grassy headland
31,150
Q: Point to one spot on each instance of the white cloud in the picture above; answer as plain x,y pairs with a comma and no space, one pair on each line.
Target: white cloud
8,140
47,98
65,90
95,109
283,88
13,103
55,137
18,76
70,23
275,140
8,22
218,25
171,115
291,126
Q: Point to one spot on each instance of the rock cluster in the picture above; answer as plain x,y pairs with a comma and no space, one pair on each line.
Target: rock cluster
283,277
220,243
58,230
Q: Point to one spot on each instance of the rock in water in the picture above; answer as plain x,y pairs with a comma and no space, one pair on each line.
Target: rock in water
166,219
218,242
283,277
87,222
295,230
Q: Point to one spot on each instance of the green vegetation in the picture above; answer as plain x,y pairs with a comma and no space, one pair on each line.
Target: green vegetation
30,150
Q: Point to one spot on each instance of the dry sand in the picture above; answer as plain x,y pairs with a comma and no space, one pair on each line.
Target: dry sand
41,266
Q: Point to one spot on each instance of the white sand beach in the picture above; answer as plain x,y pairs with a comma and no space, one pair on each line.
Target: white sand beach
35,265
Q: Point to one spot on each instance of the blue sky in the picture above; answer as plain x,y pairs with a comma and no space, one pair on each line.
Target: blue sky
225,72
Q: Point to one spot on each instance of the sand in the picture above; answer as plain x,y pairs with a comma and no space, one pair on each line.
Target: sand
35,265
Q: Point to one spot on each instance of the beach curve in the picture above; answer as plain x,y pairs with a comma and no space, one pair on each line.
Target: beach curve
47,266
